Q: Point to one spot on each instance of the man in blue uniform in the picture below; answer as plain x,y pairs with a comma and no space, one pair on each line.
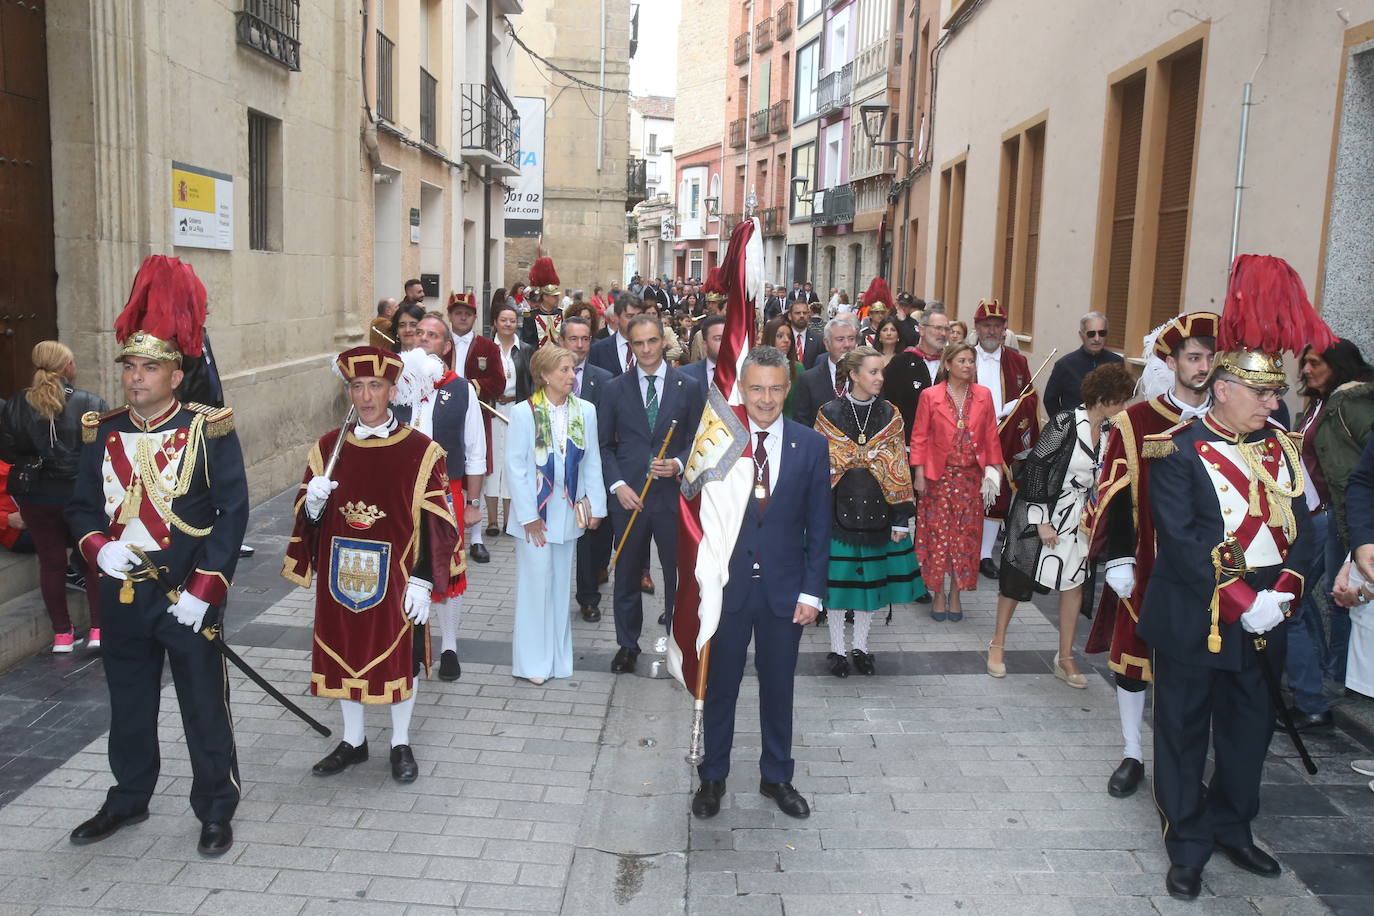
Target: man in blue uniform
168,478
1233,534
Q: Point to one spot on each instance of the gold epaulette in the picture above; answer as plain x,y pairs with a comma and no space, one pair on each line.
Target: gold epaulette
91,420
219,421
1162,445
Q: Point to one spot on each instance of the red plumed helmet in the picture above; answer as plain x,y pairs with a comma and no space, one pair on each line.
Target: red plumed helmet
714,288
543,276
164,317
1267,309
877,293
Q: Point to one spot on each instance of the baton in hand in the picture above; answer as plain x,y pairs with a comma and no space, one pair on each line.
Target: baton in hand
643,491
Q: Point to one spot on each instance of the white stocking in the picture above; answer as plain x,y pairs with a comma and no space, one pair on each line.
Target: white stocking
400,718
353,722
834,621
862,621
1131,706
990,528
475,533
450,613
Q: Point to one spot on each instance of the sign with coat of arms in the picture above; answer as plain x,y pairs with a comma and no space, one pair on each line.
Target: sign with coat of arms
358,572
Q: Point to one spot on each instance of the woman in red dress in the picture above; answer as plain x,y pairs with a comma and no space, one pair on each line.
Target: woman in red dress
956,461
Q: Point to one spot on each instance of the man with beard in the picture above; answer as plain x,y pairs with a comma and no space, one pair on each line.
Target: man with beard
810,344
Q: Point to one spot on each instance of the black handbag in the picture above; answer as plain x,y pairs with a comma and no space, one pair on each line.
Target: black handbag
24,476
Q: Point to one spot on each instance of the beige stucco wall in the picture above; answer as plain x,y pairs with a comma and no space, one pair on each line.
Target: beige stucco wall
702,52
1014,60
135,85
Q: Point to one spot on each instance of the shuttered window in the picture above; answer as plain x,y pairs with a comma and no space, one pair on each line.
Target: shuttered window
1006,234
1131,101
1175,193
1035,154
949,244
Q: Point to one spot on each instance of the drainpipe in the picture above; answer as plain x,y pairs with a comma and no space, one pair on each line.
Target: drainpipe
487,234
600,97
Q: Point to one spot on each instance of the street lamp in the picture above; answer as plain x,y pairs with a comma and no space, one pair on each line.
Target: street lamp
873,117
712,206
801,189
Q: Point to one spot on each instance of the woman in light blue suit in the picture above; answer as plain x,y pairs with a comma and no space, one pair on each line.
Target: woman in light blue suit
552,461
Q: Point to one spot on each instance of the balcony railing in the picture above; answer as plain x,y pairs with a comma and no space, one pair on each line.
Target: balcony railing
636,181
742,48
837,207
786,13
763,35
833,89
871,196
491,130
831,4
870,62
737,133
429,108
758,125
778,116
774,220
728,222
386,78
865,159
272,28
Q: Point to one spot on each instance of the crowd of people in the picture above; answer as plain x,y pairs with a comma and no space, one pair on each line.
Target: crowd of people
895,456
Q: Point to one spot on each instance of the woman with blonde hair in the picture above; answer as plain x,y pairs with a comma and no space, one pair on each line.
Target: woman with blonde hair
553,465
40,434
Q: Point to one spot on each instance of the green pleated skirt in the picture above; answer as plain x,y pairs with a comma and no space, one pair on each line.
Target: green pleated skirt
869,578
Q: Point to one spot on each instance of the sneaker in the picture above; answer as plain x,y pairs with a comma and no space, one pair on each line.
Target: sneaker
75,581
93,638
62,643
1363,767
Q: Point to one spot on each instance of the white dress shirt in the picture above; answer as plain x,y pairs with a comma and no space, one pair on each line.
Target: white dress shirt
622,350
474,436
772,446
990,376
661,373
461,345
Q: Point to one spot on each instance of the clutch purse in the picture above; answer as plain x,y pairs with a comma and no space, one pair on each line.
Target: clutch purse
582,512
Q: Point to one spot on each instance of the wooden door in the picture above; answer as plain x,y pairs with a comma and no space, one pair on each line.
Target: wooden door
28,276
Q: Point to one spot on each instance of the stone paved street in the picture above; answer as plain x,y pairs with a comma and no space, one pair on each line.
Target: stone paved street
934,788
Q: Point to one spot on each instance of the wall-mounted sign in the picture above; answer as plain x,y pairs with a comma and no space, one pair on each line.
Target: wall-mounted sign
202,208
525,193
414,225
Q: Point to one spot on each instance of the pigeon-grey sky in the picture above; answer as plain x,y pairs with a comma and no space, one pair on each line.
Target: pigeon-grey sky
653,70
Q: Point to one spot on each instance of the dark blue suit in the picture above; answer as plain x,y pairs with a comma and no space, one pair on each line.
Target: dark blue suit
627,448
594,546
605,355
782,552
697,371
1359,497
1199,694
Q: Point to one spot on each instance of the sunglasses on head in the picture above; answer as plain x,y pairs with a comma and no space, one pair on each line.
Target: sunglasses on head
1102,333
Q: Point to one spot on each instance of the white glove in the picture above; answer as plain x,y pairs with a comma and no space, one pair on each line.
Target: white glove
992,485
189,610
115,559
1266,613
1007,408
1122,579
417,600
317,494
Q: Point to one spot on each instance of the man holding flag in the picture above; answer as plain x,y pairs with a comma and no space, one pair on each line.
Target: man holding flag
758,542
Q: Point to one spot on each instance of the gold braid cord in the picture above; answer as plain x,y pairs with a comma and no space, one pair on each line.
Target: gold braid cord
1280,507
149,480
883,456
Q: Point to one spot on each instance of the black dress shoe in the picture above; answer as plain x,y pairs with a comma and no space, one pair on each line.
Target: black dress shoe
403,766
925,599
663,619
838,664
1252,859
1303,721
479,553
706,803
624,661
104,824
493,532
449,669
1126,778
863,662
789,800
988,568
1183,881
215,838
591,613
340,759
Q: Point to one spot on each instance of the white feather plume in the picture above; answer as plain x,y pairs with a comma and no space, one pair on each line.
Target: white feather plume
753,263
1155,378
419,372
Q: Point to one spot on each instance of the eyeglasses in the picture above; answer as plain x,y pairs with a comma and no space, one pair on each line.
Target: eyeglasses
1101,333
1262,394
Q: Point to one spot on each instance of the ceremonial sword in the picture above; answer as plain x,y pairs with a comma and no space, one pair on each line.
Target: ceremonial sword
151,571
1285,715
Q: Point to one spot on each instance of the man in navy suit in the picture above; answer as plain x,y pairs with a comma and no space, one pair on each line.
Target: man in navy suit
594,546
613,352
633,418
703,370
777,581
821,384
810,344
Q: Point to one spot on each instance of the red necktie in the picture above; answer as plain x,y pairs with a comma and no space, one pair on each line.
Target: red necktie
629,357
761,475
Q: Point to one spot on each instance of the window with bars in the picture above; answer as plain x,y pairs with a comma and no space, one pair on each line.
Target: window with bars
272,28
949,238
1017,248
264,182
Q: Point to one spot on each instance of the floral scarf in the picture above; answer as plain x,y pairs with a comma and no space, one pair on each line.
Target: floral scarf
545,450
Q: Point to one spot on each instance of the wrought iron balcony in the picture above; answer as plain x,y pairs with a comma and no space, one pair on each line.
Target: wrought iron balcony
832,92
837,207
778,116
774,221
491,129
758,125
429,108
272,28
636,181
386,78
742,48
728,222
763,35
786,13
737,133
